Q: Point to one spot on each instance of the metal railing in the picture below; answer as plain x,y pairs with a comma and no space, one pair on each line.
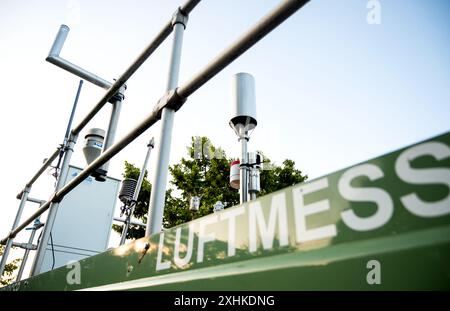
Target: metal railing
173,100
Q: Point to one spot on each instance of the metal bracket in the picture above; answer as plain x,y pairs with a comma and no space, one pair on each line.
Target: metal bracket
27,189
119,96
26,246
244,136
151,143
54,199
170,100
179,17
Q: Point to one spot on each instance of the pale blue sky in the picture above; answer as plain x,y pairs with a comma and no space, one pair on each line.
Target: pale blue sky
331,89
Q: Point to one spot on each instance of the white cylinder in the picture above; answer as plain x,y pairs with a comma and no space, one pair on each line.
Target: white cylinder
195,203
93,144
234,175
255,159
254,181
244,102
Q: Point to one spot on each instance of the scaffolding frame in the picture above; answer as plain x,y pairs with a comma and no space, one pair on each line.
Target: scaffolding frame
164,110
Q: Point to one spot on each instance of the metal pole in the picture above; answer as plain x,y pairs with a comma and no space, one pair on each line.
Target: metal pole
78,71
243,169
133,222
69,126
150,146
160,37
188,6
171,99
72,113
40,253
34,200
265,25
41,170
112,129
36,226
54,58
9,242
158,194
60,38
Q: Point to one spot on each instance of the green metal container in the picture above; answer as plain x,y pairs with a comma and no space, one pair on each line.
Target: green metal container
380,225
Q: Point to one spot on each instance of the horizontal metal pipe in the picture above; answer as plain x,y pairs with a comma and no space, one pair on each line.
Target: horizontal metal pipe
33,200
56,49
78,71
151,119
27,246
188,6
163,34
246,41
54,58
160,37
46,164
133,222
268,23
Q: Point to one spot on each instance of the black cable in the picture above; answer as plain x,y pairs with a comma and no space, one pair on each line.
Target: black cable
39,237
62,150
53,251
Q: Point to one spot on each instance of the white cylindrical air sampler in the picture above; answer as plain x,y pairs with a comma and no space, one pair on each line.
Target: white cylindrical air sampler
93,144
243,118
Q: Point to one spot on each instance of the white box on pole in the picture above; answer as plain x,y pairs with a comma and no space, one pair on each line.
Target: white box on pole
83,224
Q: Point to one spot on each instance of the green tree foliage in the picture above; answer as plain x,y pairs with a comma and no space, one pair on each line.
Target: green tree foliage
280,177
7,277
205,173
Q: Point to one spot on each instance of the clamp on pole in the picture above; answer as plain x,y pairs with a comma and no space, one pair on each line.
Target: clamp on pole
71,141
151,143
120,94
171,100
179,17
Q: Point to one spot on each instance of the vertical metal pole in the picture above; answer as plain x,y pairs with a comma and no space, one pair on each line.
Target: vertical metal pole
58,44
27,251
72,113
69,124
9,242
243,169
157,197
111,133
150,146
40,252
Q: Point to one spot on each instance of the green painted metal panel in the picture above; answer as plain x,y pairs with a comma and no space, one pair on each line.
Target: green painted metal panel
380,225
